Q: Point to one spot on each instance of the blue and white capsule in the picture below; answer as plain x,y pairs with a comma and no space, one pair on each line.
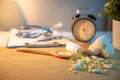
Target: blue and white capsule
97,71
100,59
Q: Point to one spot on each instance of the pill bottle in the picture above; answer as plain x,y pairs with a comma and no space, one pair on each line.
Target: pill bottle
99,44
95,47
74,48
108,51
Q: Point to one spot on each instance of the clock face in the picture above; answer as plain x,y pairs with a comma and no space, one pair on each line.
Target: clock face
84,29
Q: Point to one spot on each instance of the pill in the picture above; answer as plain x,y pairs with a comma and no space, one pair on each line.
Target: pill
89,70
80,61
106,62
68,53
83,58
107,66
60,53
65,53
84,66
104,70
100,59
91,64
97,71
94,57
95,62
70,69
77,67
90,67
88,59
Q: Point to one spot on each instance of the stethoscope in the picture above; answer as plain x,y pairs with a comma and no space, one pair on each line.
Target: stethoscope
34,31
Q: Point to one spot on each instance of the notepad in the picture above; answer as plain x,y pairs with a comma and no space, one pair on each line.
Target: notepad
16,42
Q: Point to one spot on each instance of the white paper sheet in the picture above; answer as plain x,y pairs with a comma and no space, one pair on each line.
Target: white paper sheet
15,41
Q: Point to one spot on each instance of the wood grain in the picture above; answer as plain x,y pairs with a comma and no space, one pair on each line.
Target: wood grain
23,66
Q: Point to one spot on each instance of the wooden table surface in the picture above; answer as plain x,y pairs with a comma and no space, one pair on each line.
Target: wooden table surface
26,66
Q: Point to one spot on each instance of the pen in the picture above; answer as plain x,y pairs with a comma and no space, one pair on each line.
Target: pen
43,45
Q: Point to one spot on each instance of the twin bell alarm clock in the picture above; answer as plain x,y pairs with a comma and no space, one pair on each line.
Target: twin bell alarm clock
84,27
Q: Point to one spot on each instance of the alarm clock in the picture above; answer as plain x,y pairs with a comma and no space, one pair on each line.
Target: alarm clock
84,27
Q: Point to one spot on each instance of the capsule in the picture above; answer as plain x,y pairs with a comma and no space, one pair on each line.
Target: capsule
83,58
90,67
94,57
80,62
89,70
65,53
84,66
70,69
68,53
106,62
100,59
97,71
107,66
60,53
77,67
88,59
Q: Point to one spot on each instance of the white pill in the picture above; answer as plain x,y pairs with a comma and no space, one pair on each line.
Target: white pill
68,53
94,57
60,53
88,59
107,66
65,53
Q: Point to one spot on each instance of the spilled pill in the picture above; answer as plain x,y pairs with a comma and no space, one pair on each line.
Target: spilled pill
89,70
65,53
100,59
97,71
94,57
80,62
92,64
88,59
107,66
77,67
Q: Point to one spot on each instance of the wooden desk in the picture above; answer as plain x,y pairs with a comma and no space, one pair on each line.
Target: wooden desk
25,66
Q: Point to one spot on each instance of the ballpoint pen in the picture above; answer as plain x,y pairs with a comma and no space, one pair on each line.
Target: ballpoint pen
37,45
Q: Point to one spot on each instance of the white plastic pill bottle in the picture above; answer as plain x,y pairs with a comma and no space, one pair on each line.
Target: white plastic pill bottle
74,48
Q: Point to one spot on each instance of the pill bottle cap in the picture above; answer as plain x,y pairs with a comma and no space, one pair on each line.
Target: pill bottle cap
79,49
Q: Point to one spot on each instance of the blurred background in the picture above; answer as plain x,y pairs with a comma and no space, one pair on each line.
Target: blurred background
15,13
